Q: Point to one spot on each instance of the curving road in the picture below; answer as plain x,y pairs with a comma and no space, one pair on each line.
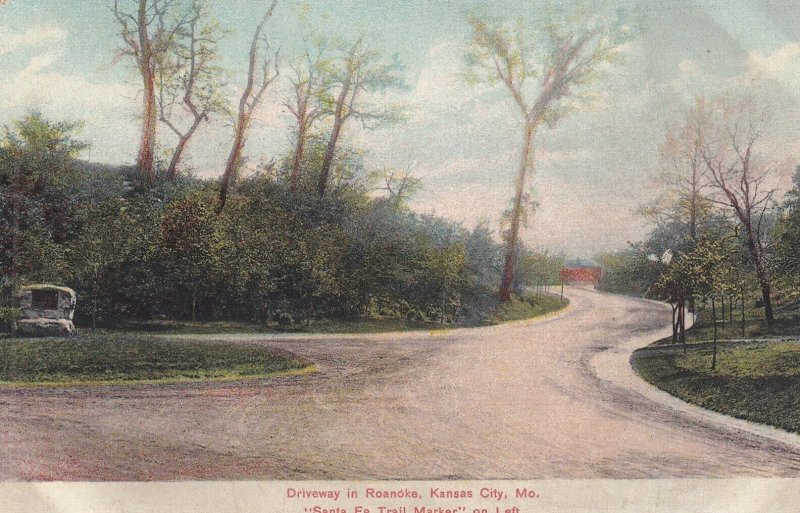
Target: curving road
552,398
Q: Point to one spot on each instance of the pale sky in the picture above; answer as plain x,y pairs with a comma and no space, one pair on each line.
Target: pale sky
592,173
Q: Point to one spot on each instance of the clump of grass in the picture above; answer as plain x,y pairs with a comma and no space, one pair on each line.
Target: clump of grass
753,381
111,358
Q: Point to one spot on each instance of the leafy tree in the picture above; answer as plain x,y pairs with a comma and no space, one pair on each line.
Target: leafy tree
190,244
95,258
37,171
355,72
788,236
563,57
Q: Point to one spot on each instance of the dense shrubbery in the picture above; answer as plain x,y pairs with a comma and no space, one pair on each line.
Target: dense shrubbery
162,250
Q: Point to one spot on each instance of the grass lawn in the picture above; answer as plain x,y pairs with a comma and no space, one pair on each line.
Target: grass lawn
787,322
121,357
124,358
758,381
518,309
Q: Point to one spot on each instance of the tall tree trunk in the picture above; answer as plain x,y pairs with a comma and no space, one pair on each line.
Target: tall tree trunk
757,257
766,296
714,315
743,317
149,117
339,117
234,160
327,162
15,244
764,283
731,306
248,102
675,323
194,304
516,213
172,170
444,301
299,153
183,141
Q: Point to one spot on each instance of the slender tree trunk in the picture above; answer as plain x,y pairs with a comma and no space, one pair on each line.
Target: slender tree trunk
247,105
516,214
762,275
194,304
714,315
675,323
743,317
327,161
15,243
683,323
96,287
146,150
149,117
172,170
234,160
722,297
444,301
299,153
183,141
767,298
339,117
766,287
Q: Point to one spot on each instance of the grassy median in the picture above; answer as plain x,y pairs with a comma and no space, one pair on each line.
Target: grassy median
757,381
125,358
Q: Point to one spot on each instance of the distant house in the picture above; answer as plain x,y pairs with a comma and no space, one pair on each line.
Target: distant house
581,272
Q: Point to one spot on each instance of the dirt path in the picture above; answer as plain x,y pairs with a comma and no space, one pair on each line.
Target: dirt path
514,401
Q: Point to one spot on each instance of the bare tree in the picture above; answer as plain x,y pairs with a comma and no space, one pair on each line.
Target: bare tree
683,175
149,32
743,183
309,86
565,57
262,71
357,71
400,185
188,82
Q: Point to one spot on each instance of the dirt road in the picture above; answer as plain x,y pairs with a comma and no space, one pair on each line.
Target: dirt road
536,400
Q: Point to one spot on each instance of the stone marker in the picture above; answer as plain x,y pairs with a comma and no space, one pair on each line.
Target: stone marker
46,310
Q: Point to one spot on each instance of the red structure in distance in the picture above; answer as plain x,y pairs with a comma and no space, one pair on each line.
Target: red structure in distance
584,272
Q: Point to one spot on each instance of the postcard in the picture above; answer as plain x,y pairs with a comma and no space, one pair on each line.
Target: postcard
399,256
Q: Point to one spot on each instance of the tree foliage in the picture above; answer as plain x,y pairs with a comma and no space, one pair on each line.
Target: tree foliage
274,254
542,70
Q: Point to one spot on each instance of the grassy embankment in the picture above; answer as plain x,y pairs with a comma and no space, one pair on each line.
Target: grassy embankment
753,380
517,309
125,357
